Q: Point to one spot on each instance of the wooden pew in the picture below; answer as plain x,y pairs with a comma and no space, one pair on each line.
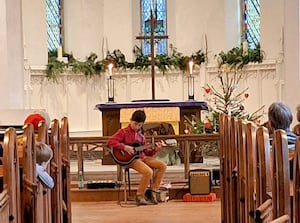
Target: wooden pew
43,137
56,192
251,170
296,183
233,150
28,200
66,180
263,212
223,169
282,219
229,142
32,193
262,178
229,168
10,196
278,204
242,172
281,173
227,171
4,196
4,205
264,174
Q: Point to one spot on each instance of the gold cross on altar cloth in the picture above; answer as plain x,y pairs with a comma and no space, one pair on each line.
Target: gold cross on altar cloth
152,37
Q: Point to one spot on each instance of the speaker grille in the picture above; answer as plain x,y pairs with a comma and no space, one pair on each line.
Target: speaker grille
199,181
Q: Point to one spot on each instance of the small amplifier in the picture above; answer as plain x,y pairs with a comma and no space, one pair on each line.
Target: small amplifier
199,181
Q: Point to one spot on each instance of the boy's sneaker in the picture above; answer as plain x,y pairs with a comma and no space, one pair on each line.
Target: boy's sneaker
140,200
153,198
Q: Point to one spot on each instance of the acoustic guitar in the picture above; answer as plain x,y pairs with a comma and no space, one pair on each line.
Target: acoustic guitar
123,158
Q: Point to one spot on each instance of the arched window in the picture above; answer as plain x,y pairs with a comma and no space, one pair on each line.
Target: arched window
251,28
159,9
54,24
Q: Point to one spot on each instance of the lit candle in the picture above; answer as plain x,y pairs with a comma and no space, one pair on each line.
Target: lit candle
245,48
59,52
110,67
191,64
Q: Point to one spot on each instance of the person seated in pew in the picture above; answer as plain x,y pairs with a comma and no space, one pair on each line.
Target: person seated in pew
1,153
124,142
281,117
35,118
1,177
296,128
44,155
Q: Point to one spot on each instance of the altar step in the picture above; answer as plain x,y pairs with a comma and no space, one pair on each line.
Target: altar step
97,172
177,191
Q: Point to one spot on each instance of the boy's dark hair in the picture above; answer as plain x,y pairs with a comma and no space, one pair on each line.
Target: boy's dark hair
138,116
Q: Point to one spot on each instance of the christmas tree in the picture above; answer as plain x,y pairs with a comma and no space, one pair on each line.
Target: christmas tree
227,97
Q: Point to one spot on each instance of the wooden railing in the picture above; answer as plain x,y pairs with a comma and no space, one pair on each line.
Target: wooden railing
185,144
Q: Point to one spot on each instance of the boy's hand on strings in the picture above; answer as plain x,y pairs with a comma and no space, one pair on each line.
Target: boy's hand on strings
129,149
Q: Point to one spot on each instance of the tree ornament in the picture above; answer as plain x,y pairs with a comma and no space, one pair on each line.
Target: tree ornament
207,90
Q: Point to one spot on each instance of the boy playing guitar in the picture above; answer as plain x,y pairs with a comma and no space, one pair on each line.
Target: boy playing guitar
126,150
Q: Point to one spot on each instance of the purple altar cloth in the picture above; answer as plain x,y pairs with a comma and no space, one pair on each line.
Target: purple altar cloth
141,104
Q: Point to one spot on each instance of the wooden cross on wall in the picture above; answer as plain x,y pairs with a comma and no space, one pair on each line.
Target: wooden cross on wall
152,37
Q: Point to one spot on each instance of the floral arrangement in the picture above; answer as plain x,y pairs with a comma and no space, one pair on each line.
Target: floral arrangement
93,66
209,123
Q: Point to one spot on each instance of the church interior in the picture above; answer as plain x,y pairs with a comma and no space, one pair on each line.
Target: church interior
204,72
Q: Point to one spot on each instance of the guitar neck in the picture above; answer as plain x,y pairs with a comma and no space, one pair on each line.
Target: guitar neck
143,147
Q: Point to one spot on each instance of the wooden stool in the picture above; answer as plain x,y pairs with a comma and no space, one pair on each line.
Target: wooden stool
126,183
124,177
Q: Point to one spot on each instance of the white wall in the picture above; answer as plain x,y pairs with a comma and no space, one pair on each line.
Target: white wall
35,32
291,94
84,27
11,51
88,22
75,95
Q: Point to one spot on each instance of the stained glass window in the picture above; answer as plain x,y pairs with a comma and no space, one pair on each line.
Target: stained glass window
54,24
159,9
252,22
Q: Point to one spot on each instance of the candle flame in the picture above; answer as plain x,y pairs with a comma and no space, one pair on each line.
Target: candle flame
191,64
110,67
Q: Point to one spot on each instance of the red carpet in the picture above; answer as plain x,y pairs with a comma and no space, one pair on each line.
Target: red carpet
199,198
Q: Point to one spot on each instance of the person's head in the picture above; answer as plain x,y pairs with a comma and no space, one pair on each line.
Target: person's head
34,119
137,120
280,116
298,113
43,153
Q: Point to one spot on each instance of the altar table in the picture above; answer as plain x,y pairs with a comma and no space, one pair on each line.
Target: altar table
111,121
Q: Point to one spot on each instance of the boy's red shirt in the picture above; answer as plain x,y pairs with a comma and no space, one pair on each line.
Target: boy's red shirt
127,136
